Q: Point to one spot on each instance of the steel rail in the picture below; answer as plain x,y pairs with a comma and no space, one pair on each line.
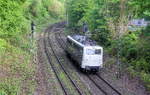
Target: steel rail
49,60
97,85
50,43
108,84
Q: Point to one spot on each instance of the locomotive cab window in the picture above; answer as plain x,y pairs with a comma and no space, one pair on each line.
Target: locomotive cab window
97,51
90,52
93,52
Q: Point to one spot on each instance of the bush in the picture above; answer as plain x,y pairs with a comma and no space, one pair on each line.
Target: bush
126,45
141,65
76,10
133,48
90,12
146,79
8,88
2,92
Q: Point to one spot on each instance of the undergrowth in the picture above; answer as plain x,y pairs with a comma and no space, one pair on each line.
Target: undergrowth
17,48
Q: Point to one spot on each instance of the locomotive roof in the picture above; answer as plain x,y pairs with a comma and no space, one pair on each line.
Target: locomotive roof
84,40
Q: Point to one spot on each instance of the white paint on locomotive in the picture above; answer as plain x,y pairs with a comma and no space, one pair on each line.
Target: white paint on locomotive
88,55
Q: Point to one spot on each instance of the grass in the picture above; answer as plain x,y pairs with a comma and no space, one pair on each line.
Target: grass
16,67
144,78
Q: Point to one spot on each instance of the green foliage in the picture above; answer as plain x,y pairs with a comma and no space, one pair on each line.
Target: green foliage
101,36
127,44
44,12
13,22
141,8
146,79
146,32
97,22
2,93
91,12
134,50
112,10
46,9
75,11
7,89
141,65
2,45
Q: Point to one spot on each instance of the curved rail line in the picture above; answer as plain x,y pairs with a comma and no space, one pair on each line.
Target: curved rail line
118,93
49,60
50,43
61,45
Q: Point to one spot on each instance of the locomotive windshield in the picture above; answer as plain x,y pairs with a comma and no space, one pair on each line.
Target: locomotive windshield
90,52
93,52
97,51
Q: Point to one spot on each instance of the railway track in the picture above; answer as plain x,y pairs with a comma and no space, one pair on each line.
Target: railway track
106,86
60,63
49,60
103,85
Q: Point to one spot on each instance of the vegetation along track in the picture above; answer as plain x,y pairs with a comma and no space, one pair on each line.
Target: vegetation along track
100,83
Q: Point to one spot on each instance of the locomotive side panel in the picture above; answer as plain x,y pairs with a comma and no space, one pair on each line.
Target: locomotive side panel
75,51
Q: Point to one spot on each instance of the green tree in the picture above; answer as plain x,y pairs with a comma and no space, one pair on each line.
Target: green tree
76,10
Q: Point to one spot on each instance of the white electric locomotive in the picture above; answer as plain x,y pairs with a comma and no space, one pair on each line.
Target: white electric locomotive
85,52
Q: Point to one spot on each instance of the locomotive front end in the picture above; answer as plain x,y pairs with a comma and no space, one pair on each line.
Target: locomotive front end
92,58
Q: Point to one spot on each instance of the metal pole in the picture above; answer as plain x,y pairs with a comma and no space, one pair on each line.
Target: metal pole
66,12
